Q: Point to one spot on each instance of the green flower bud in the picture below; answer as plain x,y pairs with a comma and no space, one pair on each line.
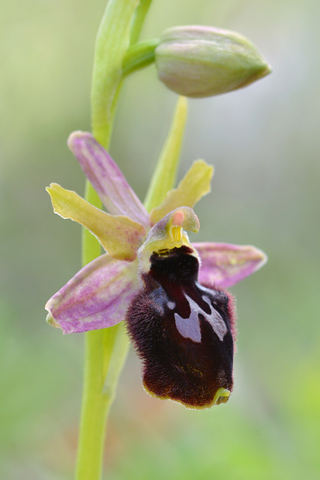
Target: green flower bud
198,61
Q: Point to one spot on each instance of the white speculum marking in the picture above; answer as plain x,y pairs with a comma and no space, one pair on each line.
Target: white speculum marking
190,327
171,305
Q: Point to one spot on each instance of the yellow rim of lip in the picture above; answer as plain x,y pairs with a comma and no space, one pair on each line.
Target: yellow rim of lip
222,396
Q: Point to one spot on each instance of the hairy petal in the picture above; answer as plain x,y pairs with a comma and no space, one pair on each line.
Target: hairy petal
194,185
107,178
224,264
96,297
119,236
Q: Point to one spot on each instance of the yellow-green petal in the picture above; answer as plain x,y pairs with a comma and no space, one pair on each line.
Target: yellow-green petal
194,185
119,235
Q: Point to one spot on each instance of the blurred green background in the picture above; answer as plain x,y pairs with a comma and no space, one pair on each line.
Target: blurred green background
264,143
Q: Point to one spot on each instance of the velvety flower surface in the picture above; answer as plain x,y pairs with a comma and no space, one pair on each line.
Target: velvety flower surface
170,292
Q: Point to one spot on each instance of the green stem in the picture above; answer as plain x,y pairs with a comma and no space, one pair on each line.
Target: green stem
106,349
92,427
112,42
138,20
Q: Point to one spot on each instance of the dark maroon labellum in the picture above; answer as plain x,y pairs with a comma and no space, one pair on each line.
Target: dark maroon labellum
182,331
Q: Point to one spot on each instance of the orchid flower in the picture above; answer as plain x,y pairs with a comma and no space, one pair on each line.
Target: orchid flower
171,293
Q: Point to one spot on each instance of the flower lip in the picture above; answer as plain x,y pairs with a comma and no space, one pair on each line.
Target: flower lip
177,265
183,332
